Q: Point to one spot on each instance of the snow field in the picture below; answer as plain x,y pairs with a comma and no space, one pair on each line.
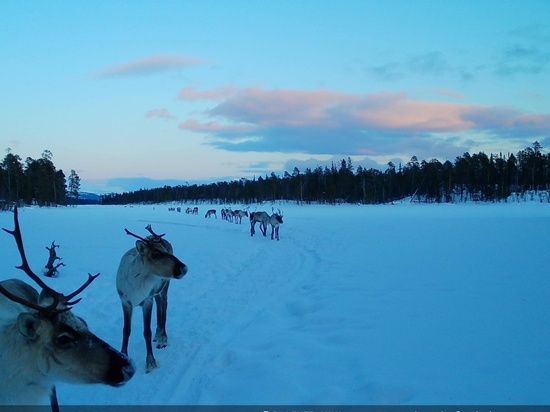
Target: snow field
390,304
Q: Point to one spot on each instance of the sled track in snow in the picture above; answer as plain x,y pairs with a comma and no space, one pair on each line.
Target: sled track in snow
261,271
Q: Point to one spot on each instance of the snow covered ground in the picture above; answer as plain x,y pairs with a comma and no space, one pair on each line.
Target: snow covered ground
390,304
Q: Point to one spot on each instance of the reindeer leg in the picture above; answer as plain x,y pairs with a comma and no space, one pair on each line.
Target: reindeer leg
150,361
127,329
277,232
54,403
161,300
272,230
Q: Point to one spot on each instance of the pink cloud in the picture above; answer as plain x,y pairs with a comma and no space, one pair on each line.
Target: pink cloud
294,108
190,93
215,127
413,115
151,64
161,113
325,121
325,108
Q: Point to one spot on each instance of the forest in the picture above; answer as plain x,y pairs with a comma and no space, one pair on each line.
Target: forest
472,177
36,181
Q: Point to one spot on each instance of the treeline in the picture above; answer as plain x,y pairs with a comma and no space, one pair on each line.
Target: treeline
36,181
477,177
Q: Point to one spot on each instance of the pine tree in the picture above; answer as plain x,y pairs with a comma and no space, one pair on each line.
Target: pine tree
74,186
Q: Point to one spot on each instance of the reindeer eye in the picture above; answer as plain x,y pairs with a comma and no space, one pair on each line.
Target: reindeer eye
65,340
156,254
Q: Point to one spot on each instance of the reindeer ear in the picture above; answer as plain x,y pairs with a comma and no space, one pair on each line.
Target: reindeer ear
141,247
28,324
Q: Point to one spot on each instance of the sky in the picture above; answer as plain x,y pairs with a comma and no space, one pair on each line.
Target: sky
154,92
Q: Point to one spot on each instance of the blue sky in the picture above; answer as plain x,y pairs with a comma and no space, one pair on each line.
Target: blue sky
179,91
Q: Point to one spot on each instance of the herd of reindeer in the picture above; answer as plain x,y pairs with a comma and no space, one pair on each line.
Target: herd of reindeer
263,218
43,342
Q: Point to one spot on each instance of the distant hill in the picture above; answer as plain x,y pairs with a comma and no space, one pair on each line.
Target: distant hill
88,198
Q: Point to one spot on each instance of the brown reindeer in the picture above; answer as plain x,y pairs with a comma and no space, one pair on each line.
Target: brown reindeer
262,218
42,342
144,273
275,220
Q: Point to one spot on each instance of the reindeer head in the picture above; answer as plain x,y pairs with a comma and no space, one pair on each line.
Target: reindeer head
158,254
277,216
61,346
58,345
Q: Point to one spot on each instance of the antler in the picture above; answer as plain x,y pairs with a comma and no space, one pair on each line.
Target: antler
57,297
134,235
150,229
156,238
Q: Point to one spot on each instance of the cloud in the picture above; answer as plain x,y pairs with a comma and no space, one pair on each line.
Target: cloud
192,94
325,122
160,113
430,63
524,60
228,130
528,52
507,121
386,72
150,65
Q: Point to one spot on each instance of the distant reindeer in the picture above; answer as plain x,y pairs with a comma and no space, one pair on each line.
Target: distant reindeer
42,342
210,213
239,214
275,220
144,273
227,214
195,210
262,218
188,210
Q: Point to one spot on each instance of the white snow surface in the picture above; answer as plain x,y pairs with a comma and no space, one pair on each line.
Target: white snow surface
355,305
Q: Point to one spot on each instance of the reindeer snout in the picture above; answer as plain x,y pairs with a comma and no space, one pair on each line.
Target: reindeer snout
121,368
128,371
180,270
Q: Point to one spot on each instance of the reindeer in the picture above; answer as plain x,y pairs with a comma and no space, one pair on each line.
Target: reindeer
275,220
261,217
229,215
238,214
42,342
195,210
145,272
210,213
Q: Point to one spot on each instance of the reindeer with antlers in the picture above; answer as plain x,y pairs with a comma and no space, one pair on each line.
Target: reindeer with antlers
43,342
239,214
262,218
144,273
275,220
